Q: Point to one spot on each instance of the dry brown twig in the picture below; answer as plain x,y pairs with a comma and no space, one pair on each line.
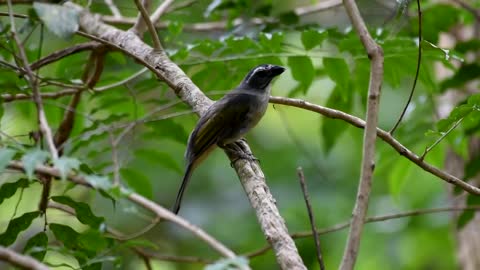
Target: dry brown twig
311,217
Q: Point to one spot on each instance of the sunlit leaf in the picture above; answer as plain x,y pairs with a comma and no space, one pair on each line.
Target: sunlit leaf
60,20
32,159
6,155
65,165
312,38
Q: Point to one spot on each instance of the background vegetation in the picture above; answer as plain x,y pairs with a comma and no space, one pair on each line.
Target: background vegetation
134,129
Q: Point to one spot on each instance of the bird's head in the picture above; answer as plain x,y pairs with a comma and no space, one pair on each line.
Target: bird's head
260,77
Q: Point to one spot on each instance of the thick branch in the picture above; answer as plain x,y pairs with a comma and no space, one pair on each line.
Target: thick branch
20,260
249,172
139,200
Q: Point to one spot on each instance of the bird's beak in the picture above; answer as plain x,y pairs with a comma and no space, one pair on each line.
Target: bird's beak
277,70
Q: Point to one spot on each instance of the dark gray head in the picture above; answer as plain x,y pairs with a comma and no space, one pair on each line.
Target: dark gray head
261,76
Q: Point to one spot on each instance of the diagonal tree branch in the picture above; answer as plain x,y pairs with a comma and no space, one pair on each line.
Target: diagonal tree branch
384,135
250,173
139,200
20,260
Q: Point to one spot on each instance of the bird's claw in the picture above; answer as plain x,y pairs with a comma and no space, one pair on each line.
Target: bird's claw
242,155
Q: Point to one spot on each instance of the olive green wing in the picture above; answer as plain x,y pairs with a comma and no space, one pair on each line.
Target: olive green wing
222,120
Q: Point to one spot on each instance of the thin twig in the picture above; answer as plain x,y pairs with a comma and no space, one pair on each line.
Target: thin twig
475,12
16,15
153,32
181,5
160,11
220,25
121,237
384,135
301,177
444,134
417,72
60,54
115,162
113,8
42,119
20,260
320,6
346,224
375,54
68,92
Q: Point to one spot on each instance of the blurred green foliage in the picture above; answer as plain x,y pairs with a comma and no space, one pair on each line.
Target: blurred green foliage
148,128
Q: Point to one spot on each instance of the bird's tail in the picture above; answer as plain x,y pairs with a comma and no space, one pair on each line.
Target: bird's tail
186,178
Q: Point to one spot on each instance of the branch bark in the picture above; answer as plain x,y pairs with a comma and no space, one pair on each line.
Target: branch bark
375,53
250,173
20,260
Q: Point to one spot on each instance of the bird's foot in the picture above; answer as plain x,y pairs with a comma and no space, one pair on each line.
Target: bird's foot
243,155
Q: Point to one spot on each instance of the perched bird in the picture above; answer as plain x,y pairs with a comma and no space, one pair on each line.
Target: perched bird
229,119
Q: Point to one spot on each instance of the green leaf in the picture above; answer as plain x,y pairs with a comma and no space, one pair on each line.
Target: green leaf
16,226
65,234
271,42
312,38
32,159
6,155
65,165
332,129
60,20
399,174
7,190
37,246
92,240
436,19
337,69
159,158
99,182
138,182
463,75
467,215
82,211
302,70
169,129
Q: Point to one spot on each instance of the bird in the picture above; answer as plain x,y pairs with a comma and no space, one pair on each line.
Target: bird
228,120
